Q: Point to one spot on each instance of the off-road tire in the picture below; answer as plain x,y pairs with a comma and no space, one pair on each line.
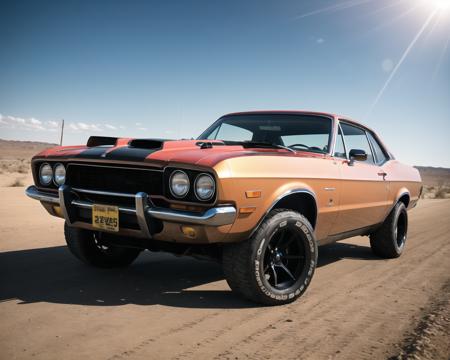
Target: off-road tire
243,261
83,244
389,240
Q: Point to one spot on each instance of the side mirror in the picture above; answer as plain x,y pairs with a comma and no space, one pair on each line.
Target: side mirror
357,155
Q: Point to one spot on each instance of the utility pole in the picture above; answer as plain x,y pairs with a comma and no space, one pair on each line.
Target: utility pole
62,132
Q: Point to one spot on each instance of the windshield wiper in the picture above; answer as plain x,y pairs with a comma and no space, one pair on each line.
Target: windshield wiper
261,144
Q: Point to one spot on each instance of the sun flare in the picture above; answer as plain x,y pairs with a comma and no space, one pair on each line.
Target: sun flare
439,4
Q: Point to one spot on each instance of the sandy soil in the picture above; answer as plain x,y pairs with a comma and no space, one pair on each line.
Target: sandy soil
163,307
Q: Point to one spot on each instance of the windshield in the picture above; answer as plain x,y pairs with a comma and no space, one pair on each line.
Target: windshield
298,132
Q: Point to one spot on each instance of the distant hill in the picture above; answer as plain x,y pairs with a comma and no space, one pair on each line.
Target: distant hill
12,149
434,176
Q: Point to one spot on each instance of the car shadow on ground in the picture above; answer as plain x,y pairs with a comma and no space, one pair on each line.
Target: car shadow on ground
53,275
338,251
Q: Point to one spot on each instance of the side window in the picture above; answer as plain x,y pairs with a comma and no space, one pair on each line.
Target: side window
378,150
355,138
231,132
339,150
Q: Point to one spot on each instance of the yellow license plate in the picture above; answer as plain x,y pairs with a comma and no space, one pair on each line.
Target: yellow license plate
105,217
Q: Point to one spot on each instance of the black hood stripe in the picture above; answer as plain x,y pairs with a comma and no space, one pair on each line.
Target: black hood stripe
93,153
129,154
123,153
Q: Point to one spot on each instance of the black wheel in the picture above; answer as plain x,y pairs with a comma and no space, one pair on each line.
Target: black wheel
88,247
389,240
276,264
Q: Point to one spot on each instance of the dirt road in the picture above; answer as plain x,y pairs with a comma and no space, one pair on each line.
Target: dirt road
163,307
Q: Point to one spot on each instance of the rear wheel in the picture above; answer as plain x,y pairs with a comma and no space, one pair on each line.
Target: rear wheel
389,240
89,247
276,264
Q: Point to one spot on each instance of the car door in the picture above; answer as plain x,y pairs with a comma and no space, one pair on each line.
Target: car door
364,190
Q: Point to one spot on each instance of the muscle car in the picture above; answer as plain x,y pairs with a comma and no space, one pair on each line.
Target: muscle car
258,191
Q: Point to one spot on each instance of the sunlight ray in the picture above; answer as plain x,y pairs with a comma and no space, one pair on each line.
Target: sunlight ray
335,7
386,7
441,58
400,62
433,27
393,20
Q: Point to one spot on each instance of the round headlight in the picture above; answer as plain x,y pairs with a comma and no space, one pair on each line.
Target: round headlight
60,174
45,174
204,187
179,184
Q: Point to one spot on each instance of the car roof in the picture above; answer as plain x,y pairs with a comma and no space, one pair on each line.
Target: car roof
294,112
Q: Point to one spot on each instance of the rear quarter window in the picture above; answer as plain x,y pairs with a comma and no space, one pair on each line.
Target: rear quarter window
380,154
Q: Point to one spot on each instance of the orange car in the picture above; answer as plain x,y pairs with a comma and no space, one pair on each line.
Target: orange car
260,191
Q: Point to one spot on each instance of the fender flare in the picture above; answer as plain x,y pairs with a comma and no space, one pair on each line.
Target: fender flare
293,191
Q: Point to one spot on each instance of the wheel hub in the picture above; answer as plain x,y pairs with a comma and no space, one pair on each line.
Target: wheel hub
277,256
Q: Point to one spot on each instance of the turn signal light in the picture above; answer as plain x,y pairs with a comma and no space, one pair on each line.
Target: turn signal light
189,231
251,194
247,210
58,211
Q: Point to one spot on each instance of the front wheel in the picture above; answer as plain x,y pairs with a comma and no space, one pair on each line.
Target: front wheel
88,247
276,264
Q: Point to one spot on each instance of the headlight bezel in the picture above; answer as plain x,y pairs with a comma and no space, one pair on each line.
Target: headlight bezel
55,167
198,177
40,177
190,197
179,171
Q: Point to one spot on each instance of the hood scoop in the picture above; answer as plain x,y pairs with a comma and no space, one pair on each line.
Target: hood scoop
208,144
94,141
146,143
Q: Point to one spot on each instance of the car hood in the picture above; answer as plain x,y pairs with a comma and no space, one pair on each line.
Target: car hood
158,152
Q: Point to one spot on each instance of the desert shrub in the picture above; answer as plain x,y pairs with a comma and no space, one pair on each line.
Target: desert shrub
17,183
427,192
23,169
441,192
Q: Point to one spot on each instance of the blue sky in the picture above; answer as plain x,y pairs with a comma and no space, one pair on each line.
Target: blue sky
170,68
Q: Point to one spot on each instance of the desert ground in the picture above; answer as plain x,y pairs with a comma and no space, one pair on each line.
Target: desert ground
163,307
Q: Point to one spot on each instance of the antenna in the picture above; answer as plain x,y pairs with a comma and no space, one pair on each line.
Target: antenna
62,132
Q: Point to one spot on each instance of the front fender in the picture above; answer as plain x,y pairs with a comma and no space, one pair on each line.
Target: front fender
256,208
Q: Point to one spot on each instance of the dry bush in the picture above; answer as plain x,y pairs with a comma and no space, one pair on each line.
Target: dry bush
17,183
22,169
428,192
441,192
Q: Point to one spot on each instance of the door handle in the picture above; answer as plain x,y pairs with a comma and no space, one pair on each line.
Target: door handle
382,173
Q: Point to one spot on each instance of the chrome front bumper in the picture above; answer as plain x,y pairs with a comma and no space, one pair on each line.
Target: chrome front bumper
144,210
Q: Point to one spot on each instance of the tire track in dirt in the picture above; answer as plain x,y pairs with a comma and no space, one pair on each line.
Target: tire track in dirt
187,326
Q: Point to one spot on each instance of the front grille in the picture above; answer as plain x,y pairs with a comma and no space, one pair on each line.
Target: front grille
115,179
